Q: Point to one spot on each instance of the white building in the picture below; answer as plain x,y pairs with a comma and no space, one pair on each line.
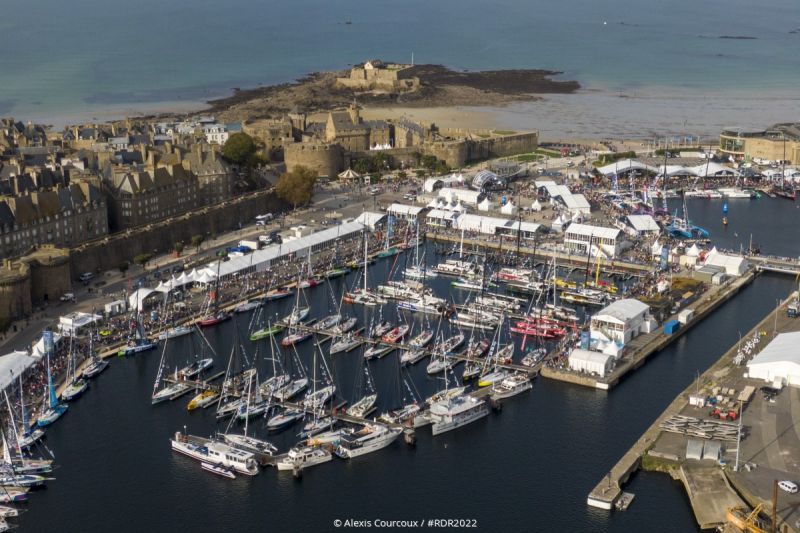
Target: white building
440,218
620,322
464,196
778,361
733,265
215,133
405,212
371,219
77,324
588,362
496,226
644,225
575,204
605,241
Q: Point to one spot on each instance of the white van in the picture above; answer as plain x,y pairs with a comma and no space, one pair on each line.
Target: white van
86,276
788,486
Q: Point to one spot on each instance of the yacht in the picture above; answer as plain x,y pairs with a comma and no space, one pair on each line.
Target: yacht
381,329
195,368
378,350
250,444
23,480
202,400
249,305
422,339
328,322
455,267
409,357
170,392
344,327
297,315
511,386
452,413
402,415
95,367
346,343
284,419
439,364
303,457
292,389
492,377
396,334
363,407
171,333
316,400
370,438
215,453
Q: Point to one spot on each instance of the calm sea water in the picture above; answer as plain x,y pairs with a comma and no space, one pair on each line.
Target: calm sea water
105,58
528,468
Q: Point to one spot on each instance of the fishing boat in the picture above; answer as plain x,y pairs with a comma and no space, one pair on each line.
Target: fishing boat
215,452
203,400
421,339
219,470
301,457
52,408
396,335
277,294
195,368
284,419
511,386
171,333
249,305
347,343
268,331
370,438
455,412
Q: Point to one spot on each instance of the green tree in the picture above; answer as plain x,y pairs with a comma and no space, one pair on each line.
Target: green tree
363,166
297,186
178,247
197,240
420,172
240,148
142,259
441,168
429,162
402,175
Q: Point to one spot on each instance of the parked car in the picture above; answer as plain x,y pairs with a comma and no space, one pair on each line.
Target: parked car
86,276
788,486
67,297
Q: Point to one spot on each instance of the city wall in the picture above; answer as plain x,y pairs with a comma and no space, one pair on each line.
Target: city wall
110,252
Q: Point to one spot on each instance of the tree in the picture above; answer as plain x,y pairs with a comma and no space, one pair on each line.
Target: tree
297,186
178,247
363,166
402,175
123,267
420,173
240,148
197,240
429,162
142,259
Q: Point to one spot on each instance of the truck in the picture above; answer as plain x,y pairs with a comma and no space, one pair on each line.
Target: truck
253,245
791,310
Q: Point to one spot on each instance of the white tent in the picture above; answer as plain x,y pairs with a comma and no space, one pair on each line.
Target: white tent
38,348
591,362
509,208
779,360
138,296
206,277
656,249
624,166
536,206
485,205
12,365
693,251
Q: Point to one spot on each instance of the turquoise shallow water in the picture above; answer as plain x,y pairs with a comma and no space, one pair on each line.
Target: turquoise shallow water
64,60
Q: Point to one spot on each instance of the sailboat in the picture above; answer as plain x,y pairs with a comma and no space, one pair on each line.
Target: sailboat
293,385
28,435
215,316
54,409
364,296
20,464
366,404
76,385
419,270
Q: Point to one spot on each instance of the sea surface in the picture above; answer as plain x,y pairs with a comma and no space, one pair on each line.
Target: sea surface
726,61
527,468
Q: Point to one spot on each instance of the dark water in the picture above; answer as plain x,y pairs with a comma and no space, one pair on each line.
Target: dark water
528,468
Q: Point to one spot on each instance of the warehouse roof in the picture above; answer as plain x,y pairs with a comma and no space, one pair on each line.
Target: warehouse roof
643,223
593,231
624,310
782,349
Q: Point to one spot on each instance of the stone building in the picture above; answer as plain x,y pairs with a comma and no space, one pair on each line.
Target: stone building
215,178
375,75
41,276
139,197
780,142
62,215
347,129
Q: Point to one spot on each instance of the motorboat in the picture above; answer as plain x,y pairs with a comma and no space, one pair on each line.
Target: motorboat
195,368
202,400
171,333
215,453
450,345
218,470
511,386
455,412
301,457
458,268
506,274
371,438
